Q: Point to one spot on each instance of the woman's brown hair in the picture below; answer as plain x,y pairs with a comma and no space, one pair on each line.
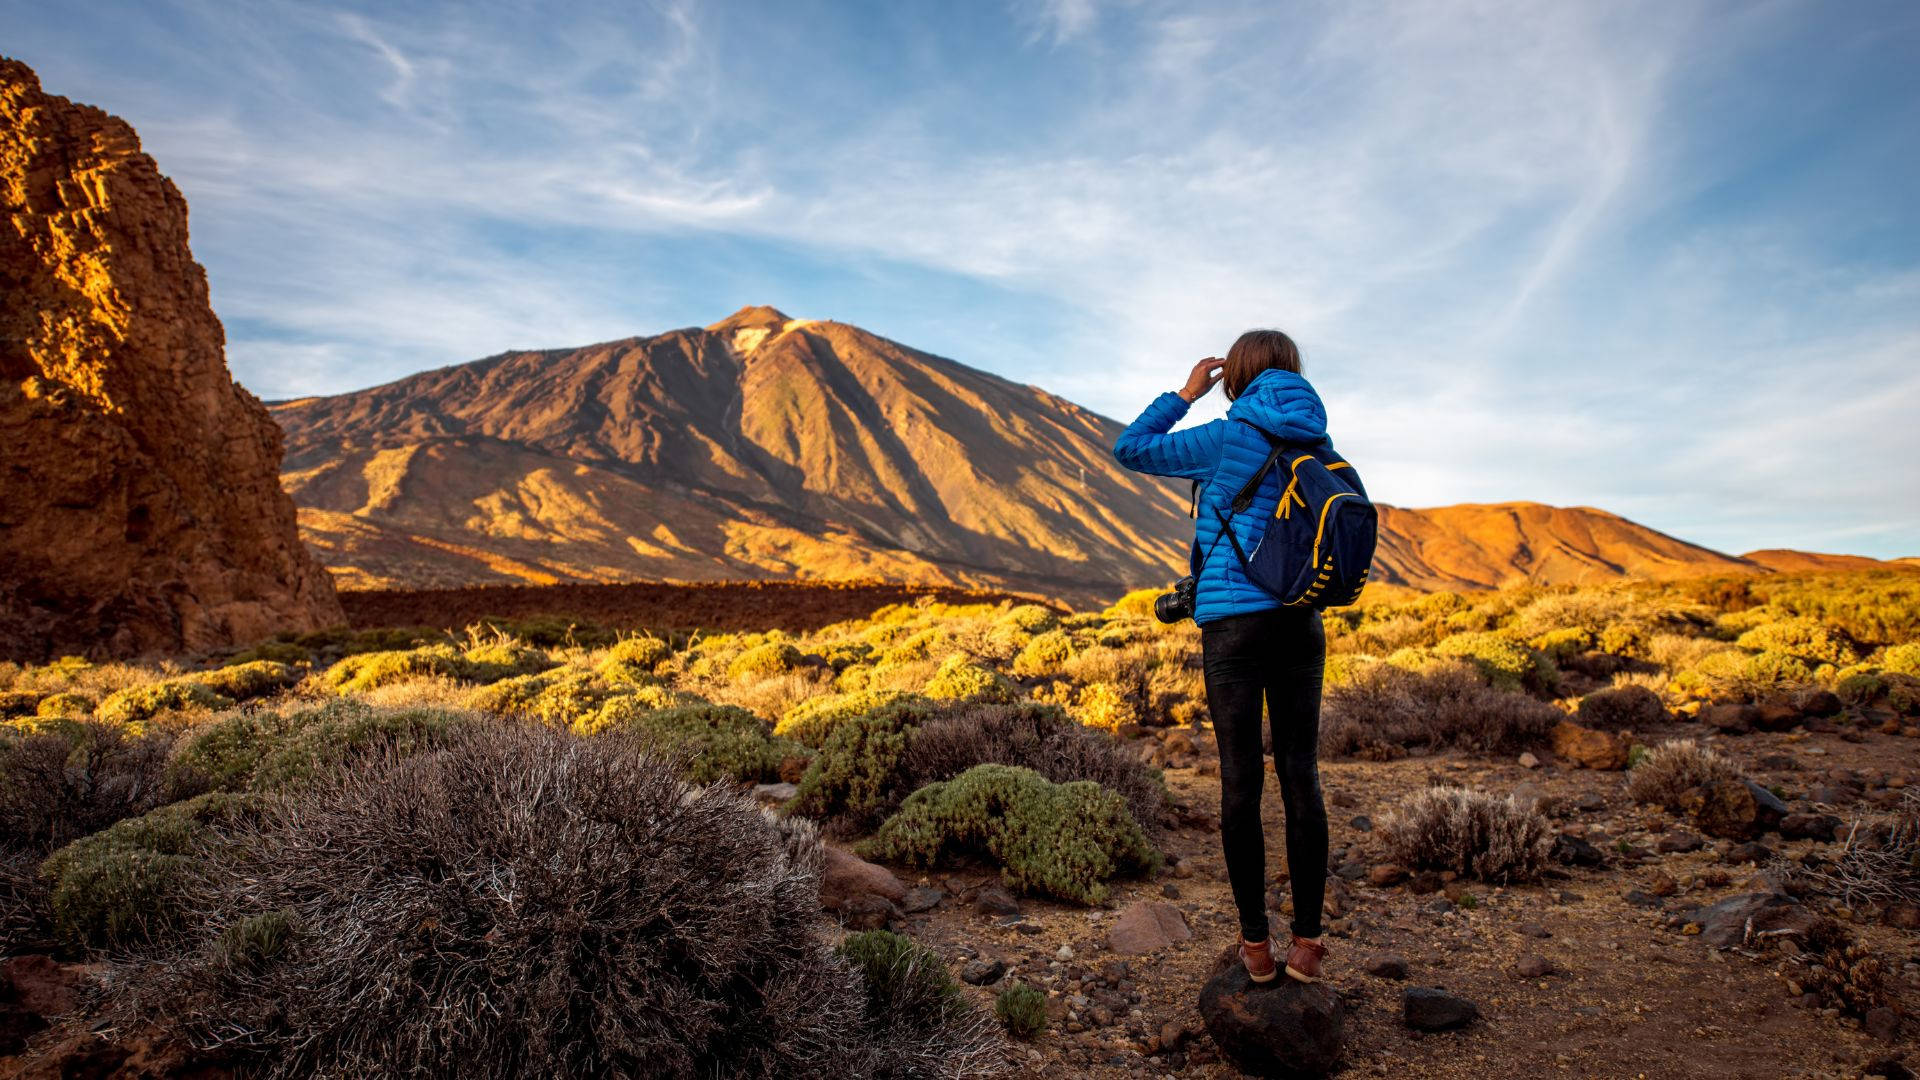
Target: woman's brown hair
1255,352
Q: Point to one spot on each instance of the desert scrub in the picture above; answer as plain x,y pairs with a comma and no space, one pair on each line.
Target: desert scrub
1804,638
856,778
1060,840
1617,708
137,704
710,742
1022,1010
635,659
263,750
1104,706
812,720
1137,604
64,778
762,661
1902,659
562,697
65,704
1045,654
1468,832
361,672
959,678
126,884
1668,771
1505,663
1564,643
910,998
1386,710
249,680
700,909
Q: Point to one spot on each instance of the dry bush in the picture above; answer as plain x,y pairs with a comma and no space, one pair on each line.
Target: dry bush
1668,771
75,777
1469,832
1839,970
527,903
1881,861
1618,708
1385,710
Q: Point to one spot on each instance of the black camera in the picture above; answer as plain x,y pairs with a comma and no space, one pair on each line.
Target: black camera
1176,605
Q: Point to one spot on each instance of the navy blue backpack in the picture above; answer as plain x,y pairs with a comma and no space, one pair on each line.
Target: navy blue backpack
1317,547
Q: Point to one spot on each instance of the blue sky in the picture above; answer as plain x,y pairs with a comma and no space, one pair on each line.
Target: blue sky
1660,258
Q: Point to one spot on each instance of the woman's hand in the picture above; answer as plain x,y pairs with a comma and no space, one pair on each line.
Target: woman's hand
1201,379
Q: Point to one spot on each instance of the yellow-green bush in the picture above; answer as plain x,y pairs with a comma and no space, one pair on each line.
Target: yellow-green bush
361,672
19,703
65,704
268,751
1801,638
959,678
1902,659
635,659
715,742
810,721
1506,664
1103,705
1626,639
563,697
1060,840
1045,654
1564,643
1032,618
1137,604
501,659
248,680
761,661
137,704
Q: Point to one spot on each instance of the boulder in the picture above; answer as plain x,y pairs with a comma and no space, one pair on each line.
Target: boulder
33,991
1820,827
995,900
141,508
865,895
1283,1028
1734,809
1145,926
983,972
1428,1009
1386,966
1588,748
1569,850
1775,716
1732,717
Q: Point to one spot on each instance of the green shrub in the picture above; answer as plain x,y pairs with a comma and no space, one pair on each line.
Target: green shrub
842,655
1621,707
1802,638
1468,832
856,778
1061,840
1565,643
1625,639
563,697
814,718
714,742
124,885
1860,688
961,679
280,652
1031,618
265,751
65,704
255,941
500,659
248,680
1045,654
1778,669
1506,664
761,661
365,671
635,658
1022,1009
908,986
138,704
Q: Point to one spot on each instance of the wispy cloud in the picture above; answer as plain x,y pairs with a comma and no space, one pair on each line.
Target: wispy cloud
1577,253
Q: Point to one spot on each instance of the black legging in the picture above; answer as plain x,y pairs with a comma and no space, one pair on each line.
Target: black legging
1282,654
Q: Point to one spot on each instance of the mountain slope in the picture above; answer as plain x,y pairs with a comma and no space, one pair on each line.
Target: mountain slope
761,446
769,447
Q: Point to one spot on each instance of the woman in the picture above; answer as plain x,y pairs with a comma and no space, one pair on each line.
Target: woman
1251,645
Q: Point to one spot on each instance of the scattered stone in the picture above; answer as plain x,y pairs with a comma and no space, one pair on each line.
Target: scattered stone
1351,870
1385,874
1362,822
1569,850
1887,1069
1588,748
1815,701
1734,809
1280,1028
34,989
1639,898
1676,842
1424,882
1820,827
1735,920
1529,761
1147,925
1590,802
1831,795
1902,915
1753,851
1427,1009
1533,930
922,898
865,895
1064,954
1882,1023
1387,966
775,793
1662,884
983,972
1733,718
1778,763
995,900
1534,966
1170,891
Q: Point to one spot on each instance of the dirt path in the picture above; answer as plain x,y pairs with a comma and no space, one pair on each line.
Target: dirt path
1631,995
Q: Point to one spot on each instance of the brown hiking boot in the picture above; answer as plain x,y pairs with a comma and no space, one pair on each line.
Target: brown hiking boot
1259,960
1303,959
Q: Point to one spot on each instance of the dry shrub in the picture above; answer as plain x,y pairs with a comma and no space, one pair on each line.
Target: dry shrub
527,903
1469,832
1385,710
1881,862
1839,970
75,777
1622,708
1668,771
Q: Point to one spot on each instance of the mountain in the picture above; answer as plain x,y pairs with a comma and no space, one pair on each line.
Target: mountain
758,447
1790,562
140,502
770,447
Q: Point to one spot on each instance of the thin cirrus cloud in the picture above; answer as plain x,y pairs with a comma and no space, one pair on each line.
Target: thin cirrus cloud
1592,254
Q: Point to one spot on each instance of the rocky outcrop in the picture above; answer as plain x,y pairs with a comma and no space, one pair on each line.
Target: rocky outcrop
140,502
1282,1028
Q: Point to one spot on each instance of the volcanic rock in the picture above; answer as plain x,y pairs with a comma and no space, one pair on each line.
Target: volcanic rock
1282,1028
1147,925
1589,748
1427,1009
140,505
1734,809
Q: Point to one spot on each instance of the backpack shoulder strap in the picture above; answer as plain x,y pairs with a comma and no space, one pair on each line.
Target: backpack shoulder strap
1244,497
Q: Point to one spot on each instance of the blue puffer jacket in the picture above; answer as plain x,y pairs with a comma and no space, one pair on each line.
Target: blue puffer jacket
1223,455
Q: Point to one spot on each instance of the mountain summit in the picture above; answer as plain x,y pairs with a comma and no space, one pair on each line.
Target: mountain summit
759,446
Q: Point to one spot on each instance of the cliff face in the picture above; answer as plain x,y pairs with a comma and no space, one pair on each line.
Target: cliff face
140,504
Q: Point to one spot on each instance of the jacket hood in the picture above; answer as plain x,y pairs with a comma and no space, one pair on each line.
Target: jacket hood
1282,404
